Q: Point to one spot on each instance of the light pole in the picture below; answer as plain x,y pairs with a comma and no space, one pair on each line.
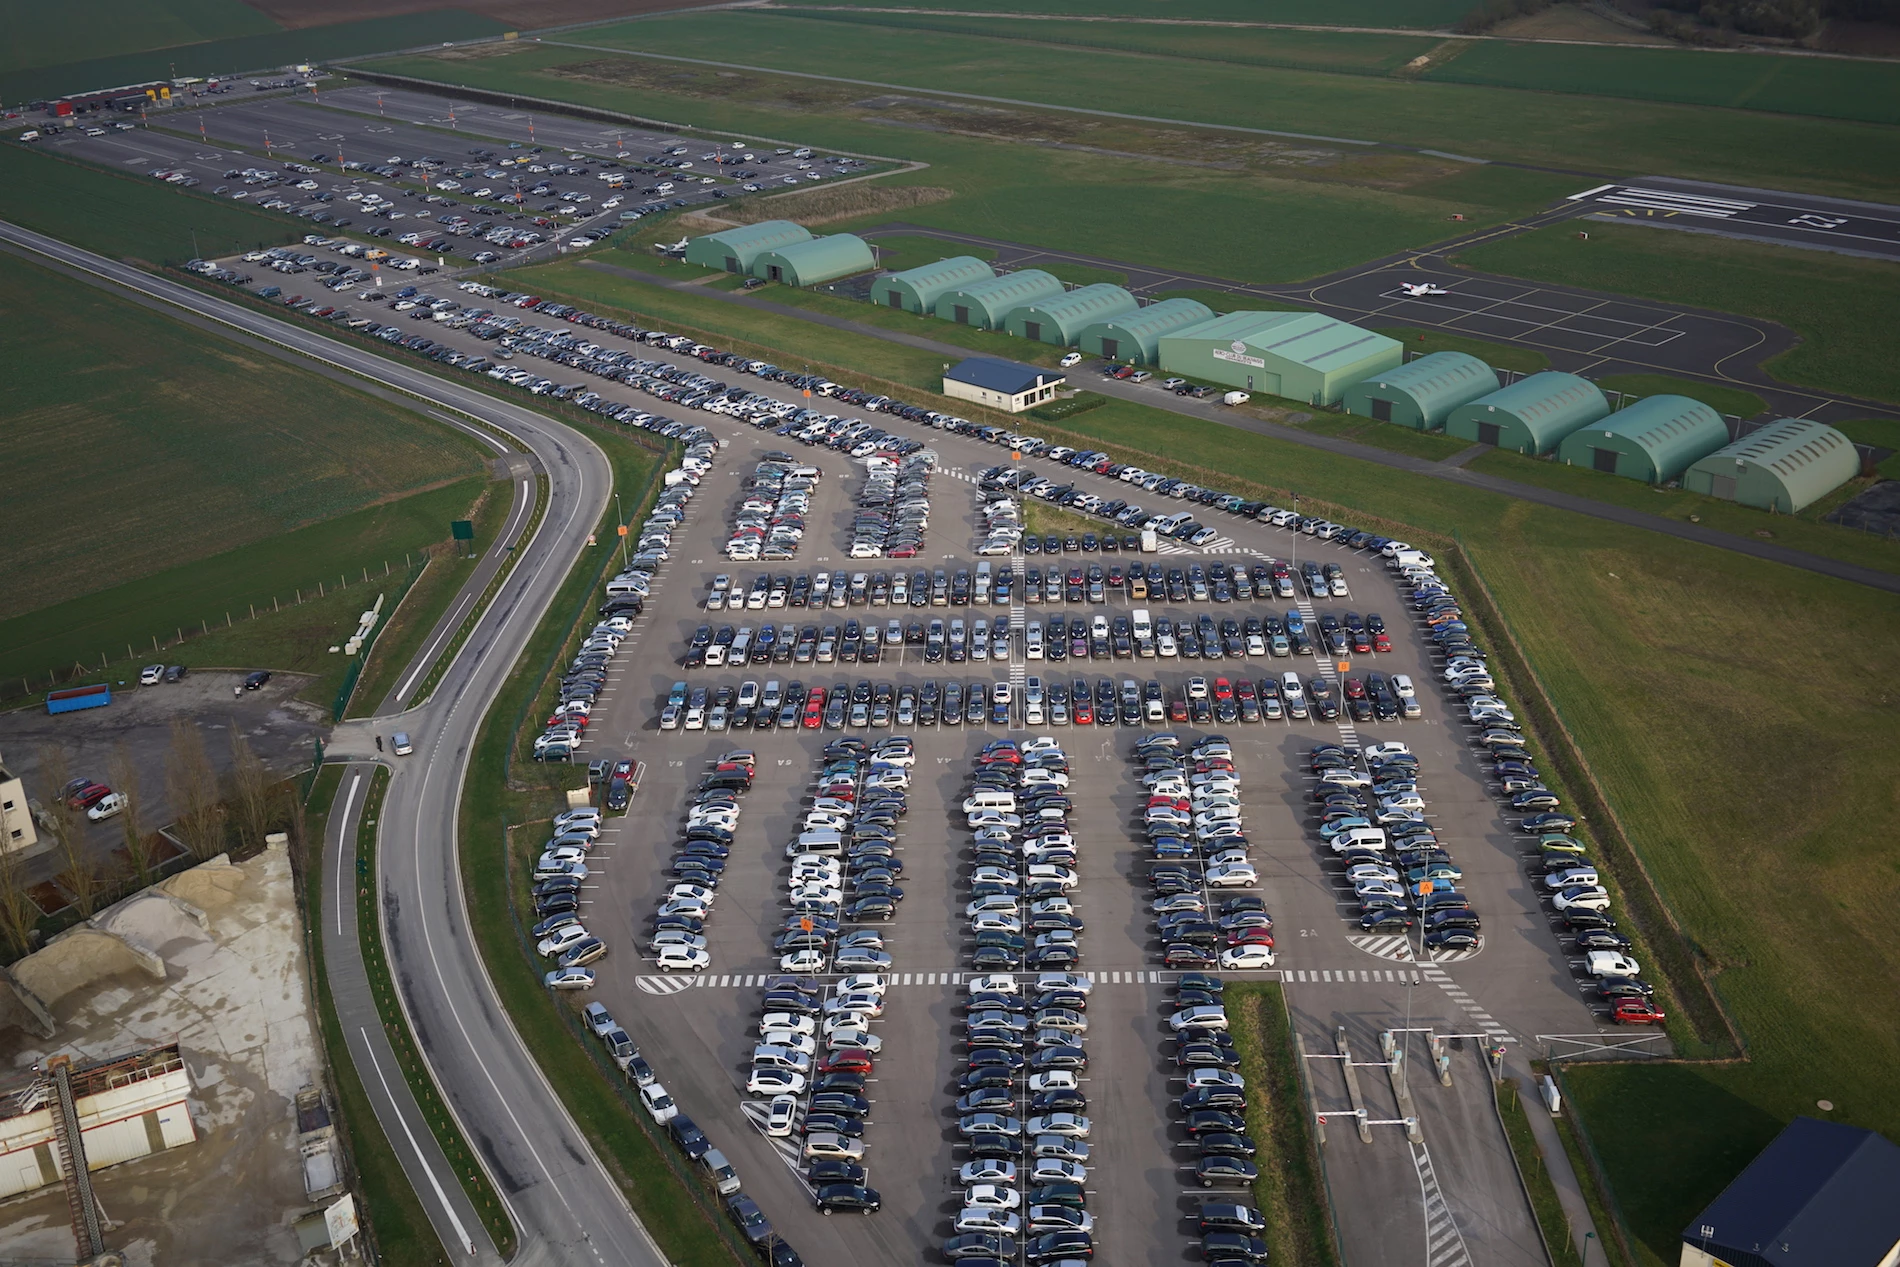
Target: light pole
620,521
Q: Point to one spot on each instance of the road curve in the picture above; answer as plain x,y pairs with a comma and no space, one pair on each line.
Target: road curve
565,1206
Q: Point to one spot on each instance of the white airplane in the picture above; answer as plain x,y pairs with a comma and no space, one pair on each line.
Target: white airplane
1418,290
678,248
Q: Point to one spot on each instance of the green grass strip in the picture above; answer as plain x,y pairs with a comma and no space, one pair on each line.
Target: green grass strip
1551,1220
1291,1191
415,1070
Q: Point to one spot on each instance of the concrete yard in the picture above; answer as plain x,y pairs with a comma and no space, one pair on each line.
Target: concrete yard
236,999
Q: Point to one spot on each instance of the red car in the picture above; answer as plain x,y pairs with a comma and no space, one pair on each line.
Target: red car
1250,937
1636,1012
1223,689
1084,710
1177,710
1381,642
623,769
849,1060
904,552
88,796
1170,802
815,708
1355,689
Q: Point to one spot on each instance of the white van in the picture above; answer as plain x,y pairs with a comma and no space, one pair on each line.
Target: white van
990,799
1359,838
980,595
828,843
622,586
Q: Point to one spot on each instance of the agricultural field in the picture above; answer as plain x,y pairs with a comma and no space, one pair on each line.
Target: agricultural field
138,446
1556,130
1842,308
1121,193
43,35
1833,88
1411,14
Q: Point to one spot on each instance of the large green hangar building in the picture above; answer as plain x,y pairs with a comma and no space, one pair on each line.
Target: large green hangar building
1532,415
1654,440
1422,394
816,260
1784,466
1135,336
735,250
985,303
1302,355
1060,319
918,289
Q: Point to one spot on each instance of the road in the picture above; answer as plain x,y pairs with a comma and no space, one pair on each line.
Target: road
566,1207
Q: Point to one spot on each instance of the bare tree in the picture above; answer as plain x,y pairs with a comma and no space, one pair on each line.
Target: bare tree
193,787
82,876
18,913
125,781
250,791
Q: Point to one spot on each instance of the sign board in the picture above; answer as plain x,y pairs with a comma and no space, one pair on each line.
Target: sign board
340,1219
462,529
1239,358
623,530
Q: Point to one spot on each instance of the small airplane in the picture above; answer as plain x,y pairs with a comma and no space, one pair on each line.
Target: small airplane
678,248
1418,290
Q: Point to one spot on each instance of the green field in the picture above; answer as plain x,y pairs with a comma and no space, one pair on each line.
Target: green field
899,252
40,35
265,49
1414,14
138,445
1842,308
1115,205
1296,50
1724,400
128,216
1829,87
1560,131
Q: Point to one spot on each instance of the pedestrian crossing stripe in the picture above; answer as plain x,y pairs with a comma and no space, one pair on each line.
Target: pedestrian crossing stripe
1395,946
664,985
1337,976
1444,1243
759,1112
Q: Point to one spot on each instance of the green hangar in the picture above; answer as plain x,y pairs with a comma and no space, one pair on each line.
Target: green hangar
1654,440
1420,395
1301,355
815,260
735,250
984,304
1060,319
1135,336
918,289
1786,465
1531,415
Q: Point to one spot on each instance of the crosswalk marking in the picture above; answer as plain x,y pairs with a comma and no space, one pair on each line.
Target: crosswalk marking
758,1112
1444,1243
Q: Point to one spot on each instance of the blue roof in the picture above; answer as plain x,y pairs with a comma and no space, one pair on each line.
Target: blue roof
1820,1195
1009,377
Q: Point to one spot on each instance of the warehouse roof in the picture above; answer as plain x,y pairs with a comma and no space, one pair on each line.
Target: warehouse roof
1820,1195
1441,375
1319,342
1011,378
1086,303
1165,317
1011,288
822,259
955,271
1542,395
763,236
1787,446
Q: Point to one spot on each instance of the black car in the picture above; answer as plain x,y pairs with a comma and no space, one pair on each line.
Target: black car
255,681
834,1171
1224,1144
1233,1245
845,1196
751,1220
1069,1194
1221,1217
688,1136
980,1245
1054,1245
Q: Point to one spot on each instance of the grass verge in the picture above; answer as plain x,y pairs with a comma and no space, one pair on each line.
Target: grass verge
1551,1220
415,1070
501,794
396,1223
1291,1191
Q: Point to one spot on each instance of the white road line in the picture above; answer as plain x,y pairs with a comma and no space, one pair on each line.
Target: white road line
343,821
461,1233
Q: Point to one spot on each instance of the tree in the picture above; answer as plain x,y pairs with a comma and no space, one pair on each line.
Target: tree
18,912
125,781
193,787
250,791
82,877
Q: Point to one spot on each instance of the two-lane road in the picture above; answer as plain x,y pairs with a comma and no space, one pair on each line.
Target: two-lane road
566,1207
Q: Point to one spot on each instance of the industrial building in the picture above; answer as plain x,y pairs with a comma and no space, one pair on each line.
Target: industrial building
1007,385
1302,355
1060,319
126,1107
1422,394
1135,337
985,303
1532,415
1821,1195
918,289
1654,440
734,250
1785,466
815,260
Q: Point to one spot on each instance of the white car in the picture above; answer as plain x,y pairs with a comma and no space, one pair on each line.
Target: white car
1073,1125
1071,360
848,1036
775,1082
863,983
1053,1080
995,982
677,937
1064,981
686,958
1198,1078
1590,897
110,805
1211,1016
659,1104
982,1218
802,961
1053,1170
562,939
792,1021
990,1196
1232,875
988,1172
1608,963
861,957
996,903
1240,958
780,1116
859,1001
803,1044
151,675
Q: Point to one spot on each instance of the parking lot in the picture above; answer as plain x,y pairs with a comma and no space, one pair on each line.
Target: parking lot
1522,988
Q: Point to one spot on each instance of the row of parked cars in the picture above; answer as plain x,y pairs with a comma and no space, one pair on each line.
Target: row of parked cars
769,521
1198,862
1022,1113
893,506
558,875
712,818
